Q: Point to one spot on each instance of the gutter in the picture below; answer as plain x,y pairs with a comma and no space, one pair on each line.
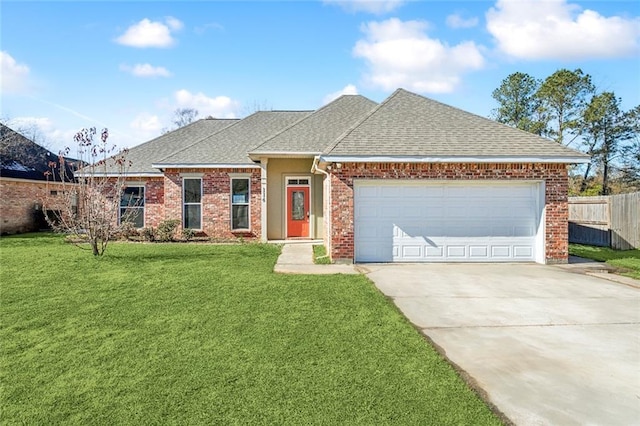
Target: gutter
315,168
453,159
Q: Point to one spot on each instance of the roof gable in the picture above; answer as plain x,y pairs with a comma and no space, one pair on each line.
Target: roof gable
230,146
315,132
407,124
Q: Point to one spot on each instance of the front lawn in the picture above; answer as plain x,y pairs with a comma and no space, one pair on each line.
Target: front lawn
626,259
208,334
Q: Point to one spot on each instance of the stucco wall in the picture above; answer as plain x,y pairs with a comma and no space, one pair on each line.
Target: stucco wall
277,170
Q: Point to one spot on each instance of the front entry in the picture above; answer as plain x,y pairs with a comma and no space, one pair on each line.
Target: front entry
297,212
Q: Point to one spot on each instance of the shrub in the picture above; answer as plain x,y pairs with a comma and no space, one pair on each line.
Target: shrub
127,230
148,234
188,234
167,230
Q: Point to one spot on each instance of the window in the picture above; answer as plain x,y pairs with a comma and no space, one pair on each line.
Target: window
132,206
239,203
192,203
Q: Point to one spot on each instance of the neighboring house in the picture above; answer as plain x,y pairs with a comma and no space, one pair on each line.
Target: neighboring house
23,183
410,179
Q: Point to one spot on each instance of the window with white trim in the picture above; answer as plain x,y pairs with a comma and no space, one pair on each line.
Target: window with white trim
192,203
132,206
240,203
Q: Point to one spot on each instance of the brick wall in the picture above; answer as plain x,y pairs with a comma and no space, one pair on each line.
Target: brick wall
554,175
21,203
216,201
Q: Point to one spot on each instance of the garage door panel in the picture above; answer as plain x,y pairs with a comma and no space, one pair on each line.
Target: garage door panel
420,221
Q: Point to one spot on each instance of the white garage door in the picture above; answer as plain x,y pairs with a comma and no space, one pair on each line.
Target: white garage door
423,221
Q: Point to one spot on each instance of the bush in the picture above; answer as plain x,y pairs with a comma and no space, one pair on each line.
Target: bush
148,234
127,230
188,234
167,230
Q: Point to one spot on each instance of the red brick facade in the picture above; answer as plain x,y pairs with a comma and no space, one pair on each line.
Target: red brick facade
554,175
21,204
216,201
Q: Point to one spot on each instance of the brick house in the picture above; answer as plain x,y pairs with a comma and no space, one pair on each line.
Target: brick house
406,180
23,183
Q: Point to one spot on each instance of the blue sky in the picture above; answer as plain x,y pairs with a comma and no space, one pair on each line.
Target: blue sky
128,65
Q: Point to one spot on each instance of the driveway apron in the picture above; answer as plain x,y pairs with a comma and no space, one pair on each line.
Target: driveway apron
546,346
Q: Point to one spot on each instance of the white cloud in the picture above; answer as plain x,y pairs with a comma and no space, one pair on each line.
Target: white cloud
145,70
44,132
148,33
401,54
555,29
146,123
377,7
349,89
15,76
457,21
218,107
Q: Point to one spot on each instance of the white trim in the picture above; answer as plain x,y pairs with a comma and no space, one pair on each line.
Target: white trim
44,182
286,202
203,166
263,199
144,202
125,175
246,177
452,159
257,155
193,204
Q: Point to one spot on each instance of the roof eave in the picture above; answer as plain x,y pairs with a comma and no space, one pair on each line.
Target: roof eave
257,155
549,159
204,166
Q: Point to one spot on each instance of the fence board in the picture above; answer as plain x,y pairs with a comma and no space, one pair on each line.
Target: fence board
611,221
625,231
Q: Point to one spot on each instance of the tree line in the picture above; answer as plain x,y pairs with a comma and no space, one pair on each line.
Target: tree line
568,108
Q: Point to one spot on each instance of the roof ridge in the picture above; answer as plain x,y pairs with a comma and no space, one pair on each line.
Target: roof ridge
332,146
323,107
237,121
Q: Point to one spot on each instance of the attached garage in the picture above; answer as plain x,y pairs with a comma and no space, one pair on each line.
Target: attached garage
448,221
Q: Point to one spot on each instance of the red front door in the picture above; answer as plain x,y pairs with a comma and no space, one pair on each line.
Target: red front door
298,211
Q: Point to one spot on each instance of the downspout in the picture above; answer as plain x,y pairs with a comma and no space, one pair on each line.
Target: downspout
314,166
327,200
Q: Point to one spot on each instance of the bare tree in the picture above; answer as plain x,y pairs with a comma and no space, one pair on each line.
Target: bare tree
92,198
181,118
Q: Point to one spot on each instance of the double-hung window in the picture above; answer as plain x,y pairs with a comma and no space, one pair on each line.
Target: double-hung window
192,203
132,206
240,203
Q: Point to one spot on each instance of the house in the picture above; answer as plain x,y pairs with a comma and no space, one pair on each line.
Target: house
406,180
23,182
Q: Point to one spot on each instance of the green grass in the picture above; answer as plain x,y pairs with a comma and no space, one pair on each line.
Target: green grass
320,255
208,334
629,260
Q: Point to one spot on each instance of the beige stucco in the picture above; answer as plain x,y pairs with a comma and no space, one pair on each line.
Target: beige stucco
277,170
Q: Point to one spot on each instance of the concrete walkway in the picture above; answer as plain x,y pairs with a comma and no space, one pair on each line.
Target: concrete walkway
297,258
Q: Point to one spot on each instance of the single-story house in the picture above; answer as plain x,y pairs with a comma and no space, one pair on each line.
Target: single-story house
406,180
24,184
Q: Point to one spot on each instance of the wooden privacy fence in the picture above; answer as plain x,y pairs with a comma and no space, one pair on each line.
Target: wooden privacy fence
609,221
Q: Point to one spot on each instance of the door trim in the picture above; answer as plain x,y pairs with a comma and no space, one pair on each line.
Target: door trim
289,181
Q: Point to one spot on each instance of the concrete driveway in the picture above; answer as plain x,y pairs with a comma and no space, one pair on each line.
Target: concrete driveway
545,346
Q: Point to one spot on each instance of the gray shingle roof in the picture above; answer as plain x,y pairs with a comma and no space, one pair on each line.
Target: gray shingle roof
231,145
315,132
143,155
406,124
